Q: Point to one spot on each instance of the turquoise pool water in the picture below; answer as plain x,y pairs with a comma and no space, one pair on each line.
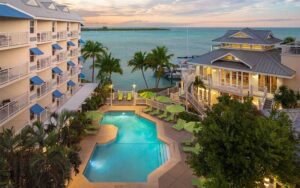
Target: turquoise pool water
134,154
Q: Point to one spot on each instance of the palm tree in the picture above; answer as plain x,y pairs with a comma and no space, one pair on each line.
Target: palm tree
139,62
288,40
159,59
199,83
108,65
93,50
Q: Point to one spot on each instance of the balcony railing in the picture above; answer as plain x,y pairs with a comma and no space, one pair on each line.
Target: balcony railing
73,53
10,107
292,49
12,73
73,34
13,39
61,35
44,63
44,36
61,79
60,57
44,89
74,71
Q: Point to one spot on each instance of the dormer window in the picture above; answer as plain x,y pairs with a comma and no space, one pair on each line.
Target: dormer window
32,3
240,35
270,36
52,7
65,9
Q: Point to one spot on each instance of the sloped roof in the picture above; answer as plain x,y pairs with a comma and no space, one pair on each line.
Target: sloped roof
255,37
42,11
266,62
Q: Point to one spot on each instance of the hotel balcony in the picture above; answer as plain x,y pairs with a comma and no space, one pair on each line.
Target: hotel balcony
73,53
43,37
60,57
41,90
61,79
43,63
74,71
291,49
10,107
13,40
11,74
61,35
73,34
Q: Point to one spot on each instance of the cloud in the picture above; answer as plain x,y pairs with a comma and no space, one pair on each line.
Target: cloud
161,11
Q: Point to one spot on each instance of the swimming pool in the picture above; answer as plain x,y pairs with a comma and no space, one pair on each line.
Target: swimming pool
134,154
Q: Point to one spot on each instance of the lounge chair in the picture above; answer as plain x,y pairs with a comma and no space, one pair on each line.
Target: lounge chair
170,118
179,125
192,149
164,115
120,96
155,112
148,109
129,96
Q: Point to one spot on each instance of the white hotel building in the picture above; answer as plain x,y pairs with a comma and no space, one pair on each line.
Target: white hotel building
40,60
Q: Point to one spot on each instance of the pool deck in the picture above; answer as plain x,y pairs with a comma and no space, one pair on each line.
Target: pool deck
173,174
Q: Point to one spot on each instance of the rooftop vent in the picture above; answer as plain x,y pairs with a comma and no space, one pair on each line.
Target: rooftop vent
32,3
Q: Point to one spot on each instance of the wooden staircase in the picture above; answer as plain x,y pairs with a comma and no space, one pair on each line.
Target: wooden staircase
268,104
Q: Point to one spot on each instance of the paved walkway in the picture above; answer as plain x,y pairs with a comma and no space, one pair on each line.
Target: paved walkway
75,101
174,174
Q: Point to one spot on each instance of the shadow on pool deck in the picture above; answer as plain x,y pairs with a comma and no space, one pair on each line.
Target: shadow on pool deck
178,175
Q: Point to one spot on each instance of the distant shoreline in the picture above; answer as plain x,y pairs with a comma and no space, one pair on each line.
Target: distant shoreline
124,29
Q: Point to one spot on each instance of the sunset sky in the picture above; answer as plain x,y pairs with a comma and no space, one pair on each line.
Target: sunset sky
191,13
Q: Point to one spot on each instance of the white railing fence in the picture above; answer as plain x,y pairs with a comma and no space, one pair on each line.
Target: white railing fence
13,73
44,63
44,36
13,39
12,106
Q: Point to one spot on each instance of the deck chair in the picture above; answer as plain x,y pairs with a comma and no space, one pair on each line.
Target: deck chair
164,115
179,125
170,118
192,149
129,96
155,112
120,96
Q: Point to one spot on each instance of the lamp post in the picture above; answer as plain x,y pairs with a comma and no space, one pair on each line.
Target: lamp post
134,86
111,94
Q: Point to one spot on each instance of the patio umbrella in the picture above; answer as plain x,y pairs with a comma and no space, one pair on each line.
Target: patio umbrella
175,109
163,99
147,95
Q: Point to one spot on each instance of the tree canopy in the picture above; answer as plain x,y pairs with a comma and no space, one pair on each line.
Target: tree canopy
240,146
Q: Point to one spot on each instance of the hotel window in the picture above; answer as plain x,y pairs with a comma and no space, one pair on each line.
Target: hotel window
31,57
53,26
68,26
31,26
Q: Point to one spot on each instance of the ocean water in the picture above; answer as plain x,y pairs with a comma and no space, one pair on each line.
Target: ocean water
134,154
123,44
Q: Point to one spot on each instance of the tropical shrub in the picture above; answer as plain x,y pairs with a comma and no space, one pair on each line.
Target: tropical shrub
286,97
239,147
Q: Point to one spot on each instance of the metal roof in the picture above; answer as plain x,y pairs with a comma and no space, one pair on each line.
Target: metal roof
264,62
7,11
42,10
254,37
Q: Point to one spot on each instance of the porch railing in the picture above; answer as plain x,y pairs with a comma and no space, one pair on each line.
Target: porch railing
73,34
13,39
12,106
60,57
12,73
73,53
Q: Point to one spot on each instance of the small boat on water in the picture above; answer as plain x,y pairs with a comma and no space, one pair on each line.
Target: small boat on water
181,64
